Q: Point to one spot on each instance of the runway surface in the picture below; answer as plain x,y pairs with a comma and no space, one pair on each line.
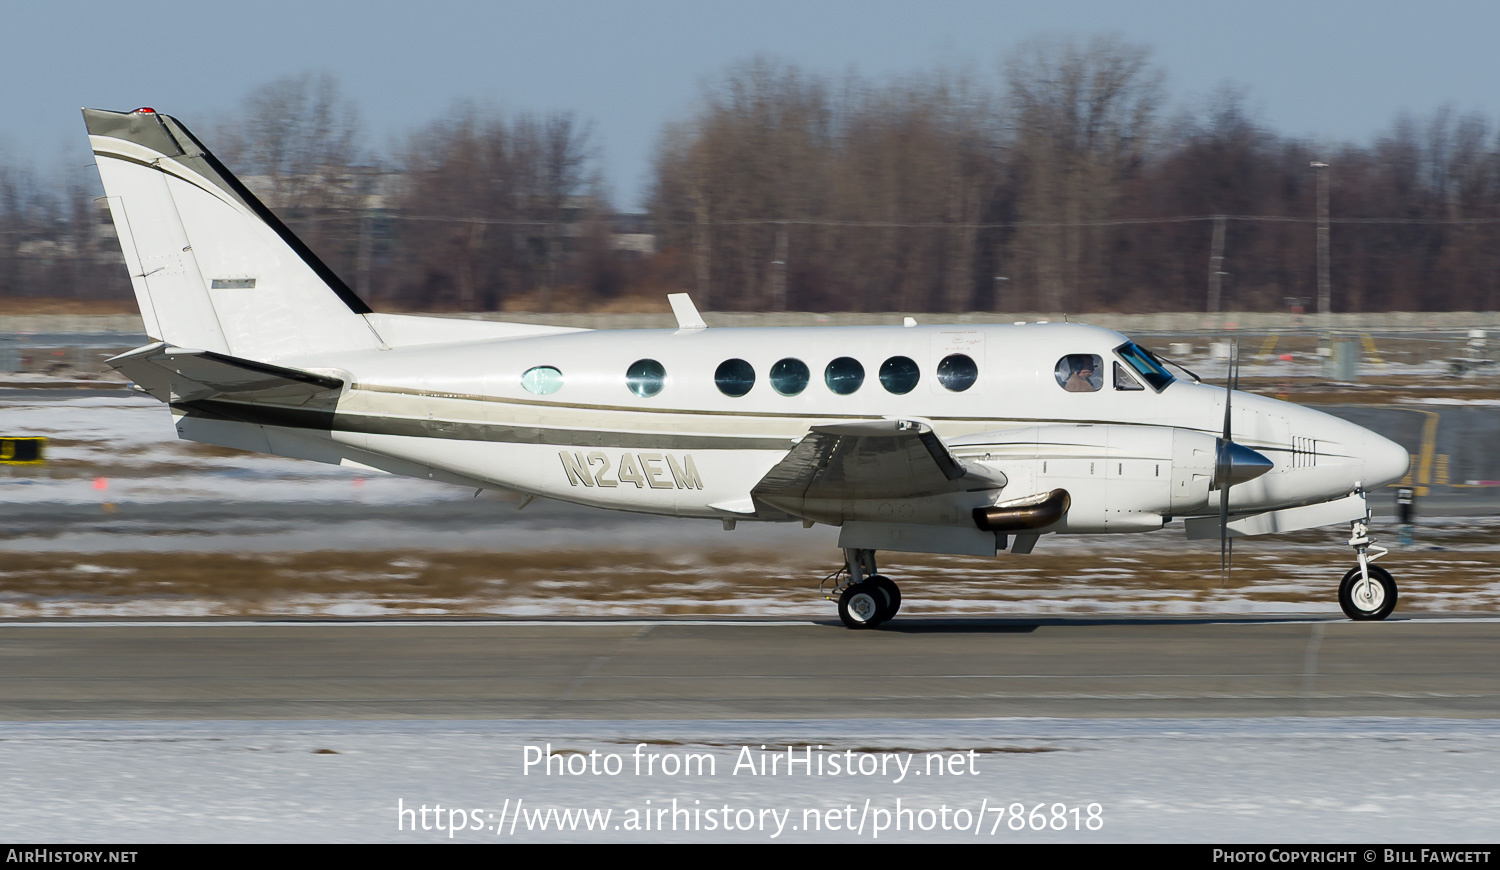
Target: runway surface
738,669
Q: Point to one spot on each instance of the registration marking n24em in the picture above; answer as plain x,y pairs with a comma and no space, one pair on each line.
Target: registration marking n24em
645,470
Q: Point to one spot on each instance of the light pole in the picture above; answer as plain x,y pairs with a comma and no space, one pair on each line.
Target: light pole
778,277
1325,307
1216,265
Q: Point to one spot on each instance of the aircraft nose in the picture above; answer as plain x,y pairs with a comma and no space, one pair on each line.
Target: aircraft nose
1385,460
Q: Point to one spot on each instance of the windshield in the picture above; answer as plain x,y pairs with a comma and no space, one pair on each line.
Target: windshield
1146,365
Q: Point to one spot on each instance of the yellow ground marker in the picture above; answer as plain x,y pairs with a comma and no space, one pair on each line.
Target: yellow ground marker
1369,343
1263,355
1429,451
1442,470
23,450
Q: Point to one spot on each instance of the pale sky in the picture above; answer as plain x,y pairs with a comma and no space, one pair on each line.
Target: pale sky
1328,71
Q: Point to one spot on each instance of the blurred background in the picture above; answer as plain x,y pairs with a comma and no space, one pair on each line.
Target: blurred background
864,157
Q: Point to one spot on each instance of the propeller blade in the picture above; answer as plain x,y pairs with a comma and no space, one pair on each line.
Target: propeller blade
1223,537
1231,383
1234,364
1224,472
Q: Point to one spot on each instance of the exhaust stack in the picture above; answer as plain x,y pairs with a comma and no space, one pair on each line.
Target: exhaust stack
1028,514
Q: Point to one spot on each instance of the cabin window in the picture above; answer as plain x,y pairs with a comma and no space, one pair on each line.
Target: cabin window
542,380
645,377
734,377
844,375
1079,373
789,376
899,375
1123,380
957,372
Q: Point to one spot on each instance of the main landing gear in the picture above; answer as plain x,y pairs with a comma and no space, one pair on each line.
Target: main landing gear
865,598
1367,592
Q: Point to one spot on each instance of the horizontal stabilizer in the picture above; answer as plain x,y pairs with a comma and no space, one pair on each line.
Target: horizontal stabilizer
175,374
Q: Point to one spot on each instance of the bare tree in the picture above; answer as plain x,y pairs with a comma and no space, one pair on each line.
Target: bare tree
293,140
561,162
790,190
1084,117
296,143
1053,186
492,208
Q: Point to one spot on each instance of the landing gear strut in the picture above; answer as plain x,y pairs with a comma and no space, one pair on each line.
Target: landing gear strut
1367,592
865,598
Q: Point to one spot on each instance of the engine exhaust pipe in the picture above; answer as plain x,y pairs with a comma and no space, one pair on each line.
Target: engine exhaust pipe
1026,514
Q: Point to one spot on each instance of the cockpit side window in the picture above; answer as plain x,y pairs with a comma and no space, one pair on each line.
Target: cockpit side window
1123,380
1146,365
1079,373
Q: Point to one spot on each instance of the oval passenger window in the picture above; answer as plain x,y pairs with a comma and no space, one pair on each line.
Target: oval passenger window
734,377
542,380
899,375
789,376
645,377
844,375
957,372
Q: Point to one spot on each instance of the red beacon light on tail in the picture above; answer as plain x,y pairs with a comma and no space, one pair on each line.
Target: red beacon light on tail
144,110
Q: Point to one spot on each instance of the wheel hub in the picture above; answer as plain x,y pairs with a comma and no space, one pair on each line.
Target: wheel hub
863,606
1369,595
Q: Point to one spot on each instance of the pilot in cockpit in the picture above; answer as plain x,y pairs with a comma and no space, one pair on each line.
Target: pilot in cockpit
1079,373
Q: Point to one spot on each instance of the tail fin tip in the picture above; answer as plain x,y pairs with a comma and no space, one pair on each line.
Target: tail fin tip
212,266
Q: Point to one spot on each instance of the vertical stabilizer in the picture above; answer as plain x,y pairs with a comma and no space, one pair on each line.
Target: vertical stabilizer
211,266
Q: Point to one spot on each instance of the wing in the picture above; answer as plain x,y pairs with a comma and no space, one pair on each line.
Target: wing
870,459
177,375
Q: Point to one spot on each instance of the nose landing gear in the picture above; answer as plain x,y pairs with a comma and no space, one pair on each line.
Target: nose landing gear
1367,592
1368,599
865,599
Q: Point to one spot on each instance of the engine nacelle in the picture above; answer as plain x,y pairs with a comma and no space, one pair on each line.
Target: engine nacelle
1119,478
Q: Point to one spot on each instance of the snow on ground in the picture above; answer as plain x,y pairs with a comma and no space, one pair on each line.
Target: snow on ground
129,443
1282,780
1440,400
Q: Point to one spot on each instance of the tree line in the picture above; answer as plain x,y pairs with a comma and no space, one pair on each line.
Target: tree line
1061,183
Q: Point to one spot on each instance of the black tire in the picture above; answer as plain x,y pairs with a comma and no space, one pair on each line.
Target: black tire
861,605
1384,592
890,592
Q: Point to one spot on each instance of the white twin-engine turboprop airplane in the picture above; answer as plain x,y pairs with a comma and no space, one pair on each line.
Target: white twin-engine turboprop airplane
936,439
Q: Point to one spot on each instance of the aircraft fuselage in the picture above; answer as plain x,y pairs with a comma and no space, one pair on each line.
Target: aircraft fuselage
676,442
